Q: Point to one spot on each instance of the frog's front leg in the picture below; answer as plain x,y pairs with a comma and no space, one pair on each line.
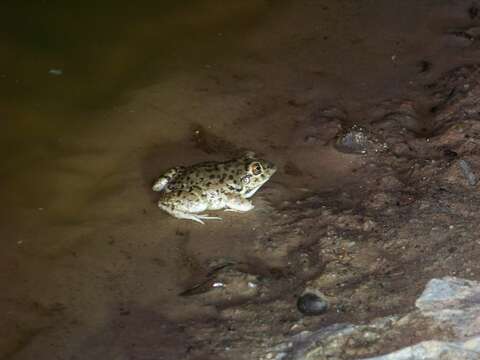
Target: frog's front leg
238,204
163,180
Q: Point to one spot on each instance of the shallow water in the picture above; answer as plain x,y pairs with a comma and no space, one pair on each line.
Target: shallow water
97,100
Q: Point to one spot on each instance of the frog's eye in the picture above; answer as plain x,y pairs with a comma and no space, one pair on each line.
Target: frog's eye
246,179
256,168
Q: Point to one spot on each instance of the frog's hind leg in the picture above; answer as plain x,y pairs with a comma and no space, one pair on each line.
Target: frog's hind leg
238,204
188,208
188,216
163,180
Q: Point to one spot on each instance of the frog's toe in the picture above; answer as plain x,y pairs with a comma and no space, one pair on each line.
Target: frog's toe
195,218
187,216
207,217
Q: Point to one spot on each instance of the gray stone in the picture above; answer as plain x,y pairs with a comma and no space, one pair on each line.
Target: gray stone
452,303
448,292
435,350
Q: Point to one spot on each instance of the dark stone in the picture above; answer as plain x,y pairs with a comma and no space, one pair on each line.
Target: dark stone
311,304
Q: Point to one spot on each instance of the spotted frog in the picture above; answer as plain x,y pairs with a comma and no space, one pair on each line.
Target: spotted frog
186,192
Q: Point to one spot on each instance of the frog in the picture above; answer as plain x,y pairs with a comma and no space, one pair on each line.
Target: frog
187,192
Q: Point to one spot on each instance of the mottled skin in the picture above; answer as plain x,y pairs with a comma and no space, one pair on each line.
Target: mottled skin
186,192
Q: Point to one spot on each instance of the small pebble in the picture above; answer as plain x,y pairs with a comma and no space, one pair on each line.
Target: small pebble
311,304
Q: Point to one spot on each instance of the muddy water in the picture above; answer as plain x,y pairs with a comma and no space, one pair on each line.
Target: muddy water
97,100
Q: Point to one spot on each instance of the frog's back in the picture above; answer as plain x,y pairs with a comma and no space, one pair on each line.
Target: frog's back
205,176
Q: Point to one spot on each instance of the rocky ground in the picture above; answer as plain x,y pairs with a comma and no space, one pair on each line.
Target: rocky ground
367,250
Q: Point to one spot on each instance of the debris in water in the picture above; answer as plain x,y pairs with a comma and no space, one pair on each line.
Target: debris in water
55,72
208,283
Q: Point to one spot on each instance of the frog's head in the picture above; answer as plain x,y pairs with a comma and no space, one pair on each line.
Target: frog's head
257,173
